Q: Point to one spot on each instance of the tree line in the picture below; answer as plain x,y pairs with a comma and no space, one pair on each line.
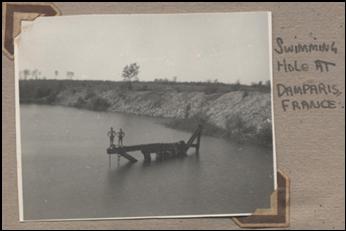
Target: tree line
130,74
37,74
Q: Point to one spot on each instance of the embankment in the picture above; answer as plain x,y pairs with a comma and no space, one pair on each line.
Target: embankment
242,114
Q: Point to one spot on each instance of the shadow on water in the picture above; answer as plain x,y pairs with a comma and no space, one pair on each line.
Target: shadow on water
155,163
119,177
118,173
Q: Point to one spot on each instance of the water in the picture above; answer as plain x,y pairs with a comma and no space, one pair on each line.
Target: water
66,172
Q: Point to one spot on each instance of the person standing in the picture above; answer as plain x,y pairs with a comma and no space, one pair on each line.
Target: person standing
121,135
111,135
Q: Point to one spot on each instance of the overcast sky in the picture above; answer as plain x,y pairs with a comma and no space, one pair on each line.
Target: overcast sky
193,47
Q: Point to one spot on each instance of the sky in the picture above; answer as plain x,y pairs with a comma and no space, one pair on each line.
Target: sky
228,47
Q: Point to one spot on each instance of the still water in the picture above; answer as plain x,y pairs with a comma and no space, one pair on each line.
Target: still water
66,172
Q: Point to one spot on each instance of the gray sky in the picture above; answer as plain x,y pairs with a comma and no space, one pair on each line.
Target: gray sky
193,47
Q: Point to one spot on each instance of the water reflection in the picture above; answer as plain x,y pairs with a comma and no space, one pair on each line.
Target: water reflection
70,171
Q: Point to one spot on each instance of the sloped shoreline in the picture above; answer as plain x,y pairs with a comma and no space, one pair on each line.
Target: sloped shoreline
241,115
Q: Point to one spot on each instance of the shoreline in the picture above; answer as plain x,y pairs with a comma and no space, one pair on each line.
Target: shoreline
241,114
174,124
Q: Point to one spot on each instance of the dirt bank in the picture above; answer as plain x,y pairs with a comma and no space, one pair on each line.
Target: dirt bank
240,114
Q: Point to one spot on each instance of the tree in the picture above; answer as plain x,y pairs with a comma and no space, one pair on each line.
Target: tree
237,85
267,83
35,73
69,74
26,73
130,72
56,73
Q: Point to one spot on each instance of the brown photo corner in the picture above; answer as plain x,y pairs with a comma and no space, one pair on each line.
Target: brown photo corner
277,216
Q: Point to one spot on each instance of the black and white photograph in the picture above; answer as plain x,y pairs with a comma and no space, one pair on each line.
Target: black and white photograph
127,116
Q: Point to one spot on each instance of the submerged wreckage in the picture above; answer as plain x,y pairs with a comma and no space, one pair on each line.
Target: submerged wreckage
162,150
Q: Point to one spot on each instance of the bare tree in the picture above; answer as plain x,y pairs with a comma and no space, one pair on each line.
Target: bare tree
130,73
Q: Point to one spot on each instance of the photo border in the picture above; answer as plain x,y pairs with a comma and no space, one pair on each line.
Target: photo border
19,150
